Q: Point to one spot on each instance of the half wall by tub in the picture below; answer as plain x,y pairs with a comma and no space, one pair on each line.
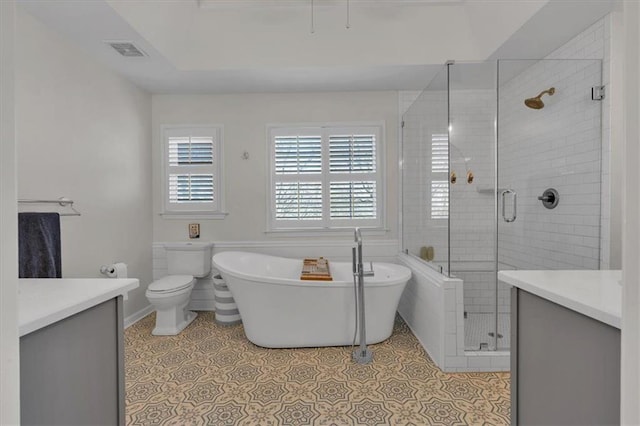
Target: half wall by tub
279,310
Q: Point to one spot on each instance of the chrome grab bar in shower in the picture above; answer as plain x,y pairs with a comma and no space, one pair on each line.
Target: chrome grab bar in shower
504,204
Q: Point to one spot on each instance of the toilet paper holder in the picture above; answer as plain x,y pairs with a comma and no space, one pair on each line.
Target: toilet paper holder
115,270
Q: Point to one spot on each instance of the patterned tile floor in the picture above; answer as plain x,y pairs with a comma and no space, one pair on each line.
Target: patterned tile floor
212,375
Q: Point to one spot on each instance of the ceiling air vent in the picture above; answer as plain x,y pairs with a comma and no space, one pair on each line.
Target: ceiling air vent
126,48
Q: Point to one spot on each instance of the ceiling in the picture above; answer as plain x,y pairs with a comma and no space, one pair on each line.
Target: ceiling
246,46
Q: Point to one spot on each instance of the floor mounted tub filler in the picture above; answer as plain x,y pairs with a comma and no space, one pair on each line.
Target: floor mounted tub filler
279,310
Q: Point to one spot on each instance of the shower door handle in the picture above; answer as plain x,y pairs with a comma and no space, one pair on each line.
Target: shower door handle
504,204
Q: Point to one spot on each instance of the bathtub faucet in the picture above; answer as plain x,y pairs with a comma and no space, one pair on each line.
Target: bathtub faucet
357,256
362,355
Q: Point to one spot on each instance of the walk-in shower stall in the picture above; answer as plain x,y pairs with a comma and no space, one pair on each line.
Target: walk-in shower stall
501,169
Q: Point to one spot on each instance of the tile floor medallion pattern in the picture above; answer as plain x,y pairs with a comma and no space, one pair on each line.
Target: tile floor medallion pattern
212,375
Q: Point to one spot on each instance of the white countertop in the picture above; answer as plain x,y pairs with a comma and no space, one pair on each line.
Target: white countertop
596,294
44,301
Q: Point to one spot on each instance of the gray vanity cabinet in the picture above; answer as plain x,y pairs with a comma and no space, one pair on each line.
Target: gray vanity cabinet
72,371
565,366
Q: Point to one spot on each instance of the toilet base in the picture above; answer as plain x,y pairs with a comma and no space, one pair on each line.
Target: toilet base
167,326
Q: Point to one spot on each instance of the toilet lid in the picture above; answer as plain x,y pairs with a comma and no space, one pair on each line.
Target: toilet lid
171,283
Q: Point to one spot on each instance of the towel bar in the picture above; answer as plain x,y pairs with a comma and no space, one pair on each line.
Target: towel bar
62,201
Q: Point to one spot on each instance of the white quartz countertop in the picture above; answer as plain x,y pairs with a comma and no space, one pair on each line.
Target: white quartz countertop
43,301
596,294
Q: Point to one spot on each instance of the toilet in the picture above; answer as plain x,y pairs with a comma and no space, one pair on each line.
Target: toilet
170,295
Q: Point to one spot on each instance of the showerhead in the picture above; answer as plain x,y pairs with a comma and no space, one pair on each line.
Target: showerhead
536,103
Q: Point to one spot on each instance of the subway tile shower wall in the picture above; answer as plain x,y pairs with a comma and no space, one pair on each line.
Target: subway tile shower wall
559,146
570,151
472,213
595,43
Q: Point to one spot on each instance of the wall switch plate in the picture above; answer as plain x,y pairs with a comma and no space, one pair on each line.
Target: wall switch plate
194,230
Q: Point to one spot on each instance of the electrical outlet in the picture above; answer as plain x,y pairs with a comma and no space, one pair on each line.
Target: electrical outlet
194,230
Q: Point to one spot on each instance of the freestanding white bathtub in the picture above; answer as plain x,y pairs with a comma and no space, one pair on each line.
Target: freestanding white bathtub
279,310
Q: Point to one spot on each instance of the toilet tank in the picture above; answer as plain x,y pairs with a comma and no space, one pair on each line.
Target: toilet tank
189,258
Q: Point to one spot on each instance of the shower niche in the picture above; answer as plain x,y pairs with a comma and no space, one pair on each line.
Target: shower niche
482,145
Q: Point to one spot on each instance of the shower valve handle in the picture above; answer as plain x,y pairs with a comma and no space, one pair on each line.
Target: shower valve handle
550,198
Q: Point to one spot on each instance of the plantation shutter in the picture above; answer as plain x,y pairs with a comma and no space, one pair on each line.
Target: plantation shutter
188,187
439,199
353,200
298,154
299,157
192,169
440,181
325,177
299,200
354,155
440,153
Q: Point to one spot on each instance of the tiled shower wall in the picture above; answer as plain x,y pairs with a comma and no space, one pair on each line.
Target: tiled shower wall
595,43
573,239
559,146
472,205
472,150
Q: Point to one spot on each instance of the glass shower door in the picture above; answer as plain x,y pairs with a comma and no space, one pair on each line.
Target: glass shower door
549,169
472,142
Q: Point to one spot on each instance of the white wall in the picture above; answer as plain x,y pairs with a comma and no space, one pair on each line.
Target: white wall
630,392
85,133
244,118
9,343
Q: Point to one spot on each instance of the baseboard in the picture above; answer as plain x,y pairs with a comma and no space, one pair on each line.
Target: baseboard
137,316
202,305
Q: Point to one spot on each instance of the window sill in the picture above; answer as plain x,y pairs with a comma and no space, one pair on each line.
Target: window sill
194,215
314,232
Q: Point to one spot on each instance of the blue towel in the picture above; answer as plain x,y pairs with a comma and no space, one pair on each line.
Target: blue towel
39,245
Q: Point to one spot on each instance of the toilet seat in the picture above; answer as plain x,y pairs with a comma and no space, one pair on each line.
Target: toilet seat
170,284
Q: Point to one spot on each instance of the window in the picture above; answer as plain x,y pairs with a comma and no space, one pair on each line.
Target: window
192,165
439,176
325,177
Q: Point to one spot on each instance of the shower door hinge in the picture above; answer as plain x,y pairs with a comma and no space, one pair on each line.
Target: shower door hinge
597,93
403,124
